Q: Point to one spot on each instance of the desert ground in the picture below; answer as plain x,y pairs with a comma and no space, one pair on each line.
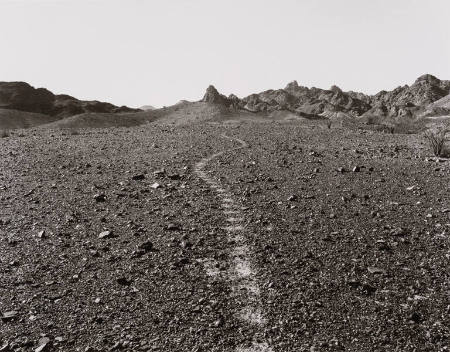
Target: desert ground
226,235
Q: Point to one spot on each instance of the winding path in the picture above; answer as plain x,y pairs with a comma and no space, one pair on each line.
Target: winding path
241,275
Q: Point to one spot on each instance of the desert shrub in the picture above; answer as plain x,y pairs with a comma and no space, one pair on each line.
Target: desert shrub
74,132
436,139
409,126
4,133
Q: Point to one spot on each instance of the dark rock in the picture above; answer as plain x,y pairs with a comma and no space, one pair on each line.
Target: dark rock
123,281
138,177
146,246
174,177
416,318
100,198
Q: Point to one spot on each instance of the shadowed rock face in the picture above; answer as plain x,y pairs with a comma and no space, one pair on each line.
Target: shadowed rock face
23,97
402,101
214,97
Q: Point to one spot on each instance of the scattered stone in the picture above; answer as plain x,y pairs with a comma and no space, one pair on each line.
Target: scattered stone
146,246
156,185
356,169
341,170
123,281
173,227
159,172
10,315
41,234
100,198
375,270
416,318
106,234
354,283
138,177
42,345
29,193
292,198
399,231
218,323
174,176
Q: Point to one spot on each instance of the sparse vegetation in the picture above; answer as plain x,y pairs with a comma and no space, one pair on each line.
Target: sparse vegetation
4,133
436,139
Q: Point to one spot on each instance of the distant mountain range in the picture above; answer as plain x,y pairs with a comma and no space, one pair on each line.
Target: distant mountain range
23,97
23,106
427,96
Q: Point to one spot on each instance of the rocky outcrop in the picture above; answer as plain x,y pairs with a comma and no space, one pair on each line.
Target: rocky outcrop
23,97
402,101
214,97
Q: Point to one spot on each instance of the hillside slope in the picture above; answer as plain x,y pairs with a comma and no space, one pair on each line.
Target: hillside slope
20,96
15,119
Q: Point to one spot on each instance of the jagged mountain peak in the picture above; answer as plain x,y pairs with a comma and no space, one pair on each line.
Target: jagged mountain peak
292,86
213,96
429,79
403,100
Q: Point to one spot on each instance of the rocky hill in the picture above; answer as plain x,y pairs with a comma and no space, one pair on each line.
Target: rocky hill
21,96
407,100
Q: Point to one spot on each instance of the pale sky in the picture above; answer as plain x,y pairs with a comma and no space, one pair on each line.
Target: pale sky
157,52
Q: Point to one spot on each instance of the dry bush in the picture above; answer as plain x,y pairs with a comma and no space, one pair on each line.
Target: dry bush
4,133
436,139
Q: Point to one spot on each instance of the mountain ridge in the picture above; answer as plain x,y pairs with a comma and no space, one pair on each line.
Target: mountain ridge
411,101
21,96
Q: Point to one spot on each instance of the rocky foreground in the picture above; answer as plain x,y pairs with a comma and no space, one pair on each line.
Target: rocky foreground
104,235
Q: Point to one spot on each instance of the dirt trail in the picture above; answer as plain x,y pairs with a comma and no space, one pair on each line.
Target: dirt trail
242,273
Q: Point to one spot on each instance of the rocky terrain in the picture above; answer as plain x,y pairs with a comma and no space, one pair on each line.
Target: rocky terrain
22,106
111,241
407,101
276,222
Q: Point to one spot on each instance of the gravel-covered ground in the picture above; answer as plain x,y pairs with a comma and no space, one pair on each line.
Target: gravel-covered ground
104,234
